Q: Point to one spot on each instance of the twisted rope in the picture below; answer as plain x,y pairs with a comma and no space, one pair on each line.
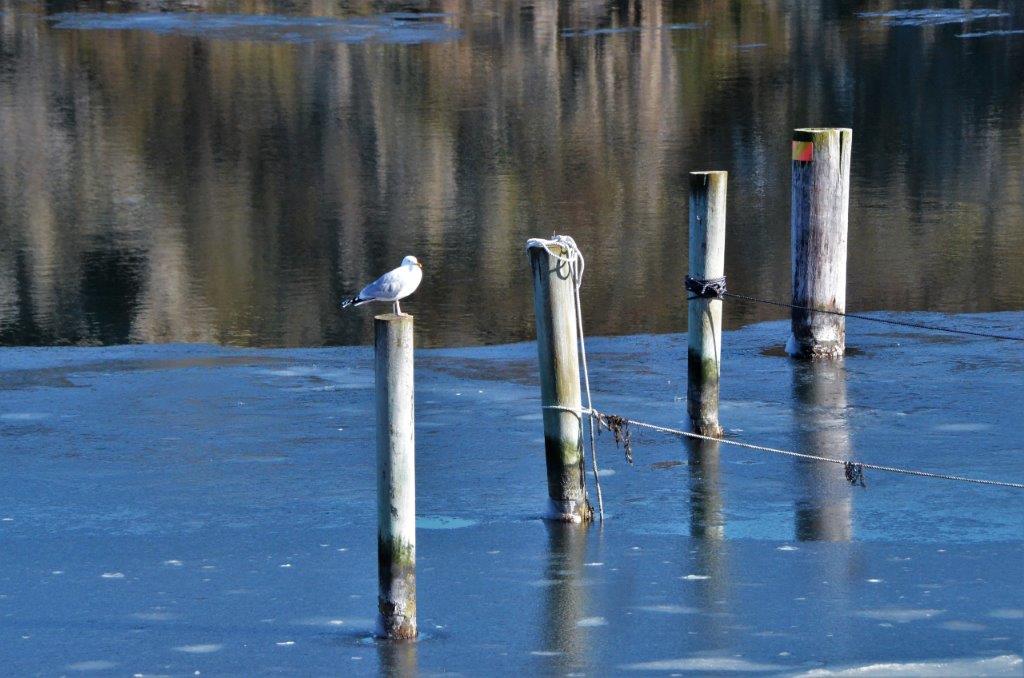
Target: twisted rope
850,466
899,323
714,288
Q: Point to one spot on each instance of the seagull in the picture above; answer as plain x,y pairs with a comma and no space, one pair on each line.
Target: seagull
392,286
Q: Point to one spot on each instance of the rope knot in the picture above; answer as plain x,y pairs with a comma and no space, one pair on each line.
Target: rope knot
712,288
854,473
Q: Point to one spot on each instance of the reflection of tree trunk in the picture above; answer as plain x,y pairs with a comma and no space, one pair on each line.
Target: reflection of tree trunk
398,658
707,527
824,506
565,604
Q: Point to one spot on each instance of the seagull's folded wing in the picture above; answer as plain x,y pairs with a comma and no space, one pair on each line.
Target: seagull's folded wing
386,287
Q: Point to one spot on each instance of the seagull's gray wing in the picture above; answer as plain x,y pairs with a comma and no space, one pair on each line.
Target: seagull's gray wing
385,287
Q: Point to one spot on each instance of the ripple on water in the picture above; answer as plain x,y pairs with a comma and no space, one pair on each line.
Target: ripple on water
385,28
1003,665
200,648
92,665
443,522
899,615
932,17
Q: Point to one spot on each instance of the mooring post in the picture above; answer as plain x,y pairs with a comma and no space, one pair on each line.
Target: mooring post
557,351
818,219
704,318
396,477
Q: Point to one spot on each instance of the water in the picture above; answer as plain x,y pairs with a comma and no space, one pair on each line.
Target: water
209,180
228,175
220,517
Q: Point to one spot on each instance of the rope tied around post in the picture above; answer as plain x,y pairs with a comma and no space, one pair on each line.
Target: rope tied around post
712,288
573,257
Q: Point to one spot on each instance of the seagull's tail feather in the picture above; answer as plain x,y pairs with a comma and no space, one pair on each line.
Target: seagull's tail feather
353,301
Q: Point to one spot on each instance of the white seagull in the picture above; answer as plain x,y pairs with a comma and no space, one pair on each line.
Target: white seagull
392,286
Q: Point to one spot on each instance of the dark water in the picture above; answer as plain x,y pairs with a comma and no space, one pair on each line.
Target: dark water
222,177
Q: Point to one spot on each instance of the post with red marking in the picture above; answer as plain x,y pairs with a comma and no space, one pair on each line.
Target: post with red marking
818,220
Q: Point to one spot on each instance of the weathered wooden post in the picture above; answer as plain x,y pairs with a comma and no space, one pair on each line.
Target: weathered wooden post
818,219
396,477
704,318
555,308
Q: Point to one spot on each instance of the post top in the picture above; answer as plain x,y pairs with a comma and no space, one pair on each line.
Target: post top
808,133
700,180
393,317
551,246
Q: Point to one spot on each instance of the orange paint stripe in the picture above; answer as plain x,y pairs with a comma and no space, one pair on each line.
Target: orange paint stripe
803,151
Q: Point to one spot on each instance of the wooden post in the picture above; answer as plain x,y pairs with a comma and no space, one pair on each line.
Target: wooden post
704,320
555,308
396,477
819,218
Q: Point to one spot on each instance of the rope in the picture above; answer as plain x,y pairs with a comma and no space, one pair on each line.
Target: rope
577,264
714,288
850,466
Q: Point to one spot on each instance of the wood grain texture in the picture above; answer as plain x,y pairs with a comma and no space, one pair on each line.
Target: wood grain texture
396,476
704,316
819,224
557,354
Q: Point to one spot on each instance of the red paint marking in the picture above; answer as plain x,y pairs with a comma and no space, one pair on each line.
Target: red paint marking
803,151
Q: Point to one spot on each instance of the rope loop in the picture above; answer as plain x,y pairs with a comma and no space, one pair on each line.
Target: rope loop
573,256
712,288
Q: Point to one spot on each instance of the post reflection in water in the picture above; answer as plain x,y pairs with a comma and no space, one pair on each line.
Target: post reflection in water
707,527
565,601
706,515
398,658
824,505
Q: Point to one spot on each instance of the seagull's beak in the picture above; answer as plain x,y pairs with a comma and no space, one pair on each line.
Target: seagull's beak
419,264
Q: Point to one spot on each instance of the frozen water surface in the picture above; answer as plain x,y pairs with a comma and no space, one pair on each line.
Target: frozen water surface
138,537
